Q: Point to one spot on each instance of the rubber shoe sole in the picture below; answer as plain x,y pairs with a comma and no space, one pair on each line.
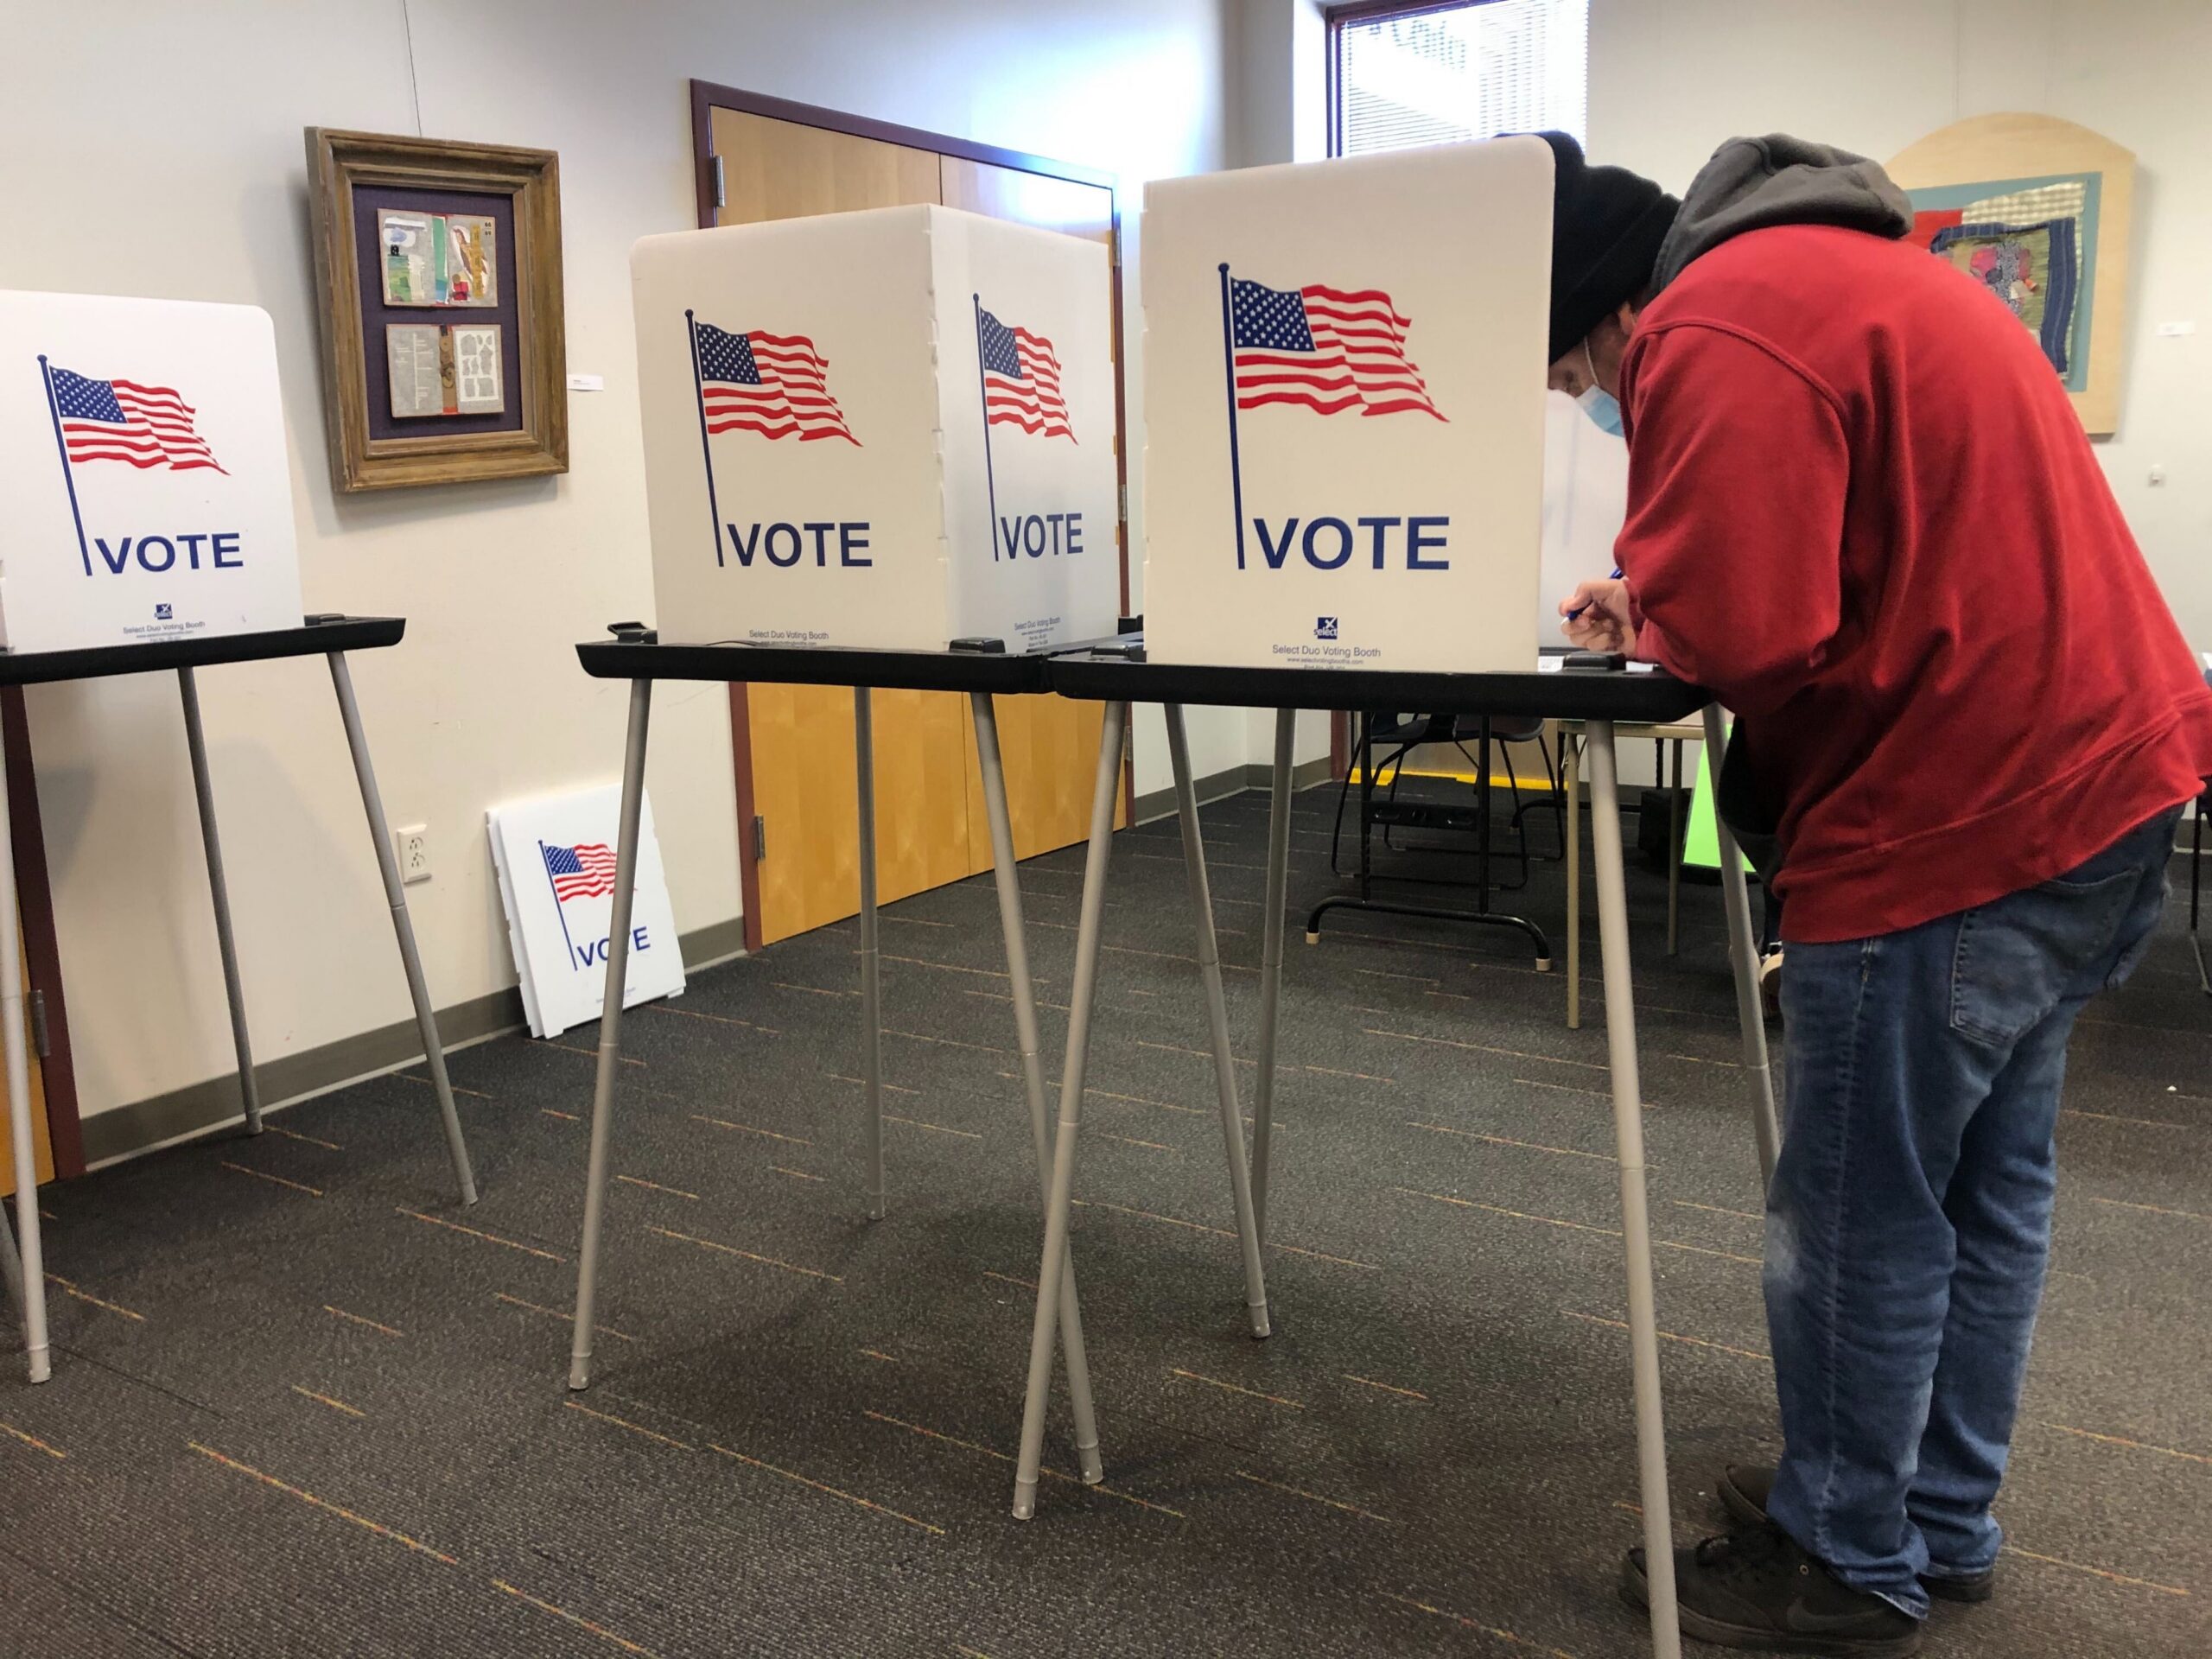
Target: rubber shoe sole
1637,1591
1976,1587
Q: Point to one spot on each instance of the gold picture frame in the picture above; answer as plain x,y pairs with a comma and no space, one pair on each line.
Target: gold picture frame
358,178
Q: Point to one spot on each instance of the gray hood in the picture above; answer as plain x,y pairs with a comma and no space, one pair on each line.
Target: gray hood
1753,183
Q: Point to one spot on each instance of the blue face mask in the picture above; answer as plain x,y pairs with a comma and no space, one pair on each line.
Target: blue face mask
1600,405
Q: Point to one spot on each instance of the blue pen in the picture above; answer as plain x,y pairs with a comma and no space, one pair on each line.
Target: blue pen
1575,615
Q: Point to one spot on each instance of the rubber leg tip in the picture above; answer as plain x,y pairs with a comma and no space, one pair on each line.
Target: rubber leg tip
579,1376
1093,1471
1543,965
1025,1503
1260,1329
42,1369
1312,935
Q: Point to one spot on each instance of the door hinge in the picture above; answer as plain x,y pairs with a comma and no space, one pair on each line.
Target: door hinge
722,198
40,1042
760,838
1122,496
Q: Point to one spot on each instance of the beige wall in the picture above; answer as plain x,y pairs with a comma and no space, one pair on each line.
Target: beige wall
156,149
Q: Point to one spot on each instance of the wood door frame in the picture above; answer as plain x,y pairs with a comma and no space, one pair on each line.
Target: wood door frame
42,944
709,96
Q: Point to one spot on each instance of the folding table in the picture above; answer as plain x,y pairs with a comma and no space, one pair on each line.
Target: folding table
1118,675
636,655
331,636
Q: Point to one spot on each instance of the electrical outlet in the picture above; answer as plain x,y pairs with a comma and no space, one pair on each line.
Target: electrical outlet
412,843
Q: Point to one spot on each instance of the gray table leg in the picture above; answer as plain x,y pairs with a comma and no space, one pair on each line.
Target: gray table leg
1570,767
1277,882
1635,1220
871,960
395,892
31,1275
1744,958
610,1029
1059,1199
1033,1067
195,743
1674,850
1224,1066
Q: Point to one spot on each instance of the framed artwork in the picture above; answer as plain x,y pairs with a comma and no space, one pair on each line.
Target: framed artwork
2037,210
438,269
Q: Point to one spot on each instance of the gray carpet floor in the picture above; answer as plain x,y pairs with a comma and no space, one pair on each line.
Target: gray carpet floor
303,1404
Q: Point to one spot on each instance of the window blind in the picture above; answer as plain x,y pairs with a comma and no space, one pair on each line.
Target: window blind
1435,74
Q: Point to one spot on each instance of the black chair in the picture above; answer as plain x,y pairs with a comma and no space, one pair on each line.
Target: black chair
1398,735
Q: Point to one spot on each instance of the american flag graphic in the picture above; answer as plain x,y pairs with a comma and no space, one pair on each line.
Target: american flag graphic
777,384
1325,349
1021,380
586,872
121,419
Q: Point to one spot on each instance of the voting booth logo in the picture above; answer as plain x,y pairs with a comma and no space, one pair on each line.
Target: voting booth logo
582,871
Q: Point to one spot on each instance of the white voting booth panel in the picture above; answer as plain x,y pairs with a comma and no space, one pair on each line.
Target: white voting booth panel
556,861
1344,410
142,463
892,428
1586,503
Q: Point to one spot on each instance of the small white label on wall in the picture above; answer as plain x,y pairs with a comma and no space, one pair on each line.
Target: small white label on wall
587,383
2187,326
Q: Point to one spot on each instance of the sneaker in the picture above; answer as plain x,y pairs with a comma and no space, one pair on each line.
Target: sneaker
1771,983
1757,1588
1744,1488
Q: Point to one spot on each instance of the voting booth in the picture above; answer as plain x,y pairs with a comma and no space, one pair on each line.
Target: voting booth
1344,410
142,457
892,428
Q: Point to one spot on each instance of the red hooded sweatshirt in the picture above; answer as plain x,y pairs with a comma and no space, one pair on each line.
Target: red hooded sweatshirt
1863,512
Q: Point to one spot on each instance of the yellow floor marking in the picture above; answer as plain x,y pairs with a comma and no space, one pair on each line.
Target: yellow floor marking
570,1319
33,1441
1008,1278
576,1619
935,1128
888,1088
2096,1571
1669,1335
1139,1100
566,1117
1178,1048
2135,1446
624,1422
918,921
811,990
414,1077
1700,1060
718,1018
833,1491
1234,1388
1348,1509
489,1238
1131,1140
1387,1388
2114,1118
948,967
988,1452
294,1134
389,1330
1501,1140
87,1296
655,1186
362,1521
1465,1622
877,1353
946,1042
1483,1048
725,1123
1222,1232
1498,1210
731,1249
1570,1089
1364,1077
1700,1249
325,1400
2152,1209
263,1174
800,1174
1411,979
589,1053
1718,1210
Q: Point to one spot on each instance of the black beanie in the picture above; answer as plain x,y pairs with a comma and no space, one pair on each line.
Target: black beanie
1607,223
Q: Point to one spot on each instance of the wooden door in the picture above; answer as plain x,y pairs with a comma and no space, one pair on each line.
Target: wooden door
796,793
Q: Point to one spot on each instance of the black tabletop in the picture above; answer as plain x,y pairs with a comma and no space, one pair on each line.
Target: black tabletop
1001,672
311,638
1566,694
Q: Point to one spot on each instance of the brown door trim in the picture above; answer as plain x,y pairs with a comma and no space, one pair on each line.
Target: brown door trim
41,945
709,96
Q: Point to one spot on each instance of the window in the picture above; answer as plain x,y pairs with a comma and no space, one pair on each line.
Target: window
1402,75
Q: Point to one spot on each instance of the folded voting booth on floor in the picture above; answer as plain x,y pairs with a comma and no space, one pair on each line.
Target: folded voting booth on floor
149,527
879,453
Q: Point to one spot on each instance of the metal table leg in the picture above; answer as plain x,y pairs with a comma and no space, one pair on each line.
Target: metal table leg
1278,883
1636,1221
1744,957
610,1029
32,1271
1032,1070
1059,1201
871,960
195,743
1570,764
1224,1065
411,960
1674,852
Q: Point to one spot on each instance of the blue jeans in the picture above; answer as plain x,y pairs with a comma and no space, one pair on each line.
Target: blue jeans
1908,1222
